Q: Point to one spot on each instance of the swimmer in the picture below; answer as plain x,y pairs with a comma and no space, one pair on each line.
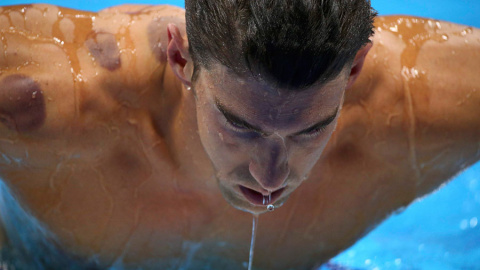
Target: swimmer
129,138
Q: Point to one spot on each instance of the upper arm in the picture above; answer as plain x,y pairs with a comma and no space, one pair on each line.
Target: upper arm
450,69
438,66
447,106
417,102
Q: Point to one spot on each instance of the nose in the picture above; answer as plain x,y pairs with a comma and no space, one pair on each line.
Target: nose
269,164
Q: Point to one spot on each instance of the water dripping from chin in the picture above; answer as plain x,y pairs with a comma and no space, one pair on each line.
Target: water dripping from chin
252,242
267,199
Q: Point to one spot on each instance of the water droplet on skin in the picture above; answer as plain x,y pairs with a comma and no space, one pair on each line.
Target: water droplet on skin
132,121
445,37
394,28
408,24
271,207
430,23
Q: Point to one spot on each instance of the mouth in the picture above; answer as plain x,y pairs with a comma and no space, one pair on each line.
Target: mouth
257,198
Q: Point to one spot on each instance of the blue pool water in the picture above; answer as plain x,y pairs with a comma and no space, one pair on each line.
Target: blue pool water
439,232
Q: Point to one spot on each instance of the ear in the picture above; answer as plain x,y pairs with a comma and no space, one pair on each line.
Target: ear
178,56
358,64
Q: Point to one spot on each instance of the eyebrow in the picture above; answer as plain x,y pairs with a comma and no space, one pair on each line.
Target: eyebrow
238,120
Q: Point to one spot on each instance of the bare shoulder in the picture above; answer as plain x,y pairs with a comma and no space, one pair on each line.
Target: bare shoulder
438,65
414,109
408,125
142,38
69,79
35,74
150,23
57,64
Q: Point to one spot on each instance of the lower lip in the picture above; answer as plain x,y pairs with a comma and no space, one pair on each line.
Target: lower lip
257,198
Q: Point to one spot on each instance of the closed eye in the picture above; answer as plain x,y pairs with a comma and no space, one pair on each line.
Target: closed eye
236,125
318,128
312,132
236,122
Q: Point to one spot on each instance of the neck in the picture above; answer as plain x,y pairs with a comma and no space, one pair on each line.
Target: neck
176,124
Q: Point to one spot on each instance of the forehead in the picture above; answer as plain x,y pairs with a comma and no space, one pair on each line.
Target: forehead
260,103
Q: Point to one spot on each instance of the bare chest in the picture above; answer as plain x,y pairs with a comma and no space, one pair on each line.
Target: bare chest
128,208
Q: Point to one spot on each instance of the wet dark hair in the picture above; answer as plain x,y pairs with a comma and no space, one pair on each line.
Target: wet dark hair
290,43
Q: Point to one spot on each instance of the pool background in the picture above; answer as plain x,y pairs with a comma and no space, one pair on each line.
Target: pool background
439,232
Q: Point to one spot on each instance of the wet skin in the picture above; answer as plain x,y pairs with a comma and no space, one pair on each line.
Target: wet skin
261,140
104,144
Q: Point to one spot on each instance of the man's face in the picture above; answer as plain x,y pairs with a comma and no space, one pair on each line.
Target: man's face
263,141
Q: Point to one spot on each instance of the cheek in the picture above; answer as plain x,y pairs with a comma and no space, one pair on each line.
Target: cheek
220,145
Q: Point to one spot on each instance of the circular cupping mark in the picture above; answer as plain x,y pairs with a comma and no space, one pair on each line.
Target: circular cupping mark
104,48
22,104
